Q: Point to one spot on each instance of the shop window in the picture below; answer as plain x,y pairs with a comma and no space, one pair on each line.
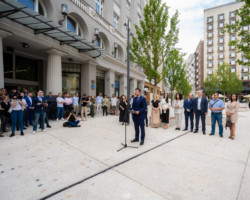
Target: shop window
26,69
34,5
8,65
28,3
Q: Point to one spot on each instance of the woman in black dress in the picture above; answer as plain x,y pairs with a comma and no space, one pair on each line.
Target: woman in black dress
165,105
123,109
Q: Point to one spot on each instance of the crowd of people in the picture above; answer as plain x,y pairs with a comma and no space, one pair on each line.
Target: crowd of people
21,109
195,108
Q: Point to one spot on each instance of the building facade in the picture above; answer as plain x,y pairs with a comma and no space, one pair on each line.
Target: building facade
80,47
190,71
216,48
199,66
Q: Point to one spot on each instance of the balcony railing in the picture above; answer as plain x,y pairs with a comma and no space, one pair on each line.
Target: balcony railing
98,18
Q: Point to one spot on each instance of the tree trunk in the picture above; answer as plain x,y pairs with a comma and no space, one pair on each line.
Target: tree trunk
155,90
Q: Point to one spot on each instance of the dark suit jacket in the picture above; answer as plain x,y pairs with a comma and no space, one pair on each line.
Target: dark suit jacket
188,105
139,104
38,108
29,104
204,105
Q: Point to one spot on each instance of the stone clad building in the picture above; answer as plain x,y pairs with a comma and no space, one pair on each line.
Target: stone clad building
68,45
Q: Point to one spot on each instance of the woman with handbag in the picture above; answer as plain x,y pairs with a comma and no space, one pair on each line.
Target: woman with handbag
155,120
232,112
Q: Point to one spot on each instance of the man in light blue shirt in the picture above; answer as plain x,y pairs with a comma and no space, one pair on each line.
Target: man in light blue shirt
99,103
216,106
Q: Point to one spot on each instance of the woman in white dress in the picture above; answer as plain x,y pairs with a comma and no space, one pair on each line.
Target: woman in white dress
178,105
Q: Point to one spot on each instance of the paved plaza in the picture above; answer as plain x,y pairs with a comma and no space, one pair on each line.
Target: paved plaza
83,163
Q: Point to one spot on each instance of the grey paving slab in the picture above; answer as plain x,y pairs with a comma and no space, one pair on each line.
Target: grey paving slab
244,193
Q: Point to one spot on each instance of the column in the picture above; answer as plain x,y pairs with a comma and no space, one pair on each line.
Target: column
123,85
141,85
133,86
109,83
88,79
54,71
3,34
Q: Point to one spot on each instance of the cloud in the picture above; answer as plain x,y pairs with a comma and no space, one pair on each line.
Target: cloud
191,20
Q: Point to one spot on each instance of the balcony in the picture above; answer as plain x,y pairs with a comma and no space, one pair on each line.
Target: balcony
86,8
232,15
232,55
210,57
210,20
220,41
210,28
221,18
210,42
221,25
210,50
209,35
221,56
232,62
210,65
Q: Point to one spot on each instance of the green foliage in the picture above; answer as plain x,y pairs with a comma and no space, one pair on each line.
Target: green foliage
242,43
151,41
228,82
211,84
224,81
175,73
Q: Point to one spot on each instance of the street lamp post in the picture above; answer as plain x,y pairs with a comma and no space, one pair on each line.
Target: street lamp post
128,62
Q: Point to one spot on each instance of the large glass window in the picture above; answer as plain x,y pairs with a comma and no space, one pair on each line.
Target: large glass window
99,7
71,24
28,3
8,65
26,69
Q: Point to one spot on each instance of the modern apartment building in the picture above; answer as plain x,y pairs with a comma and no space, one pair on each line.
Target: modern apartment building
68,45
199,66
190,71
216,48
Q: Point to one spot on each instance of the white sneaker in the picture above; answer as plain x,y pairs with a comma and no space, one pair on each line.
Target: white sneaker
34,131
44,130
62,118
57,119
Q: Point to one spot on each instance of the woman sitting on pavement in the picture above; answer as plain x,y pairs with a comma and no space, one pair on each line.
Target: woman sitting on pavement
72,120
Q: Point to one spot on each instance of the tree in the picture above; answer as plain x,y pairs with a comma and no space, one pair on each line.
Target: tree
242,43
151,40
174,71
224,81
229,82
211,84
184,87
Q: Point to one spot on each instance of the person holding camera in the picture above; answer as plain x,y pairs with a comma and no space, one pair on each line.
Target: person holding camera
72,120
39,105
17,105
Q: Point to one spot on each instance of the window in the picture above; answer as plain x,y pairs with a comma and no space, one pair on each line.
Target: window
220,32
210,19
36,5
26,69
99,7
73,26
232,21
128,7
99,42
210,27
221,17
221,48
233,69
116,18
8,65
221,25
232,14
221,40
232,37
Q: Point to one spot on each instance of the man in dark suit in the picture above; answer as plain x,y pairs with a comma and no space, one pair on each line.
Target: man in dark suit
29,109
188,111
200,108
39,105
139,107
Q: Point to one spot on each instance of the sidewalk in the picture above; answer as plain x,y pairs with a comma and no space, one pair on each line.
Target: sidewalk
192,166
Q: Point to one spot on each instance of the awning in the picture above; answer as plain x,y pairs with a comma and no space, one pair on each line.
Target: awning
19,13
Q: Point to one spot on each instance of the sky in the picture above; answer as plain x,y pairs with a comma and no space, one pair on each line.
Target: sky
191,25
